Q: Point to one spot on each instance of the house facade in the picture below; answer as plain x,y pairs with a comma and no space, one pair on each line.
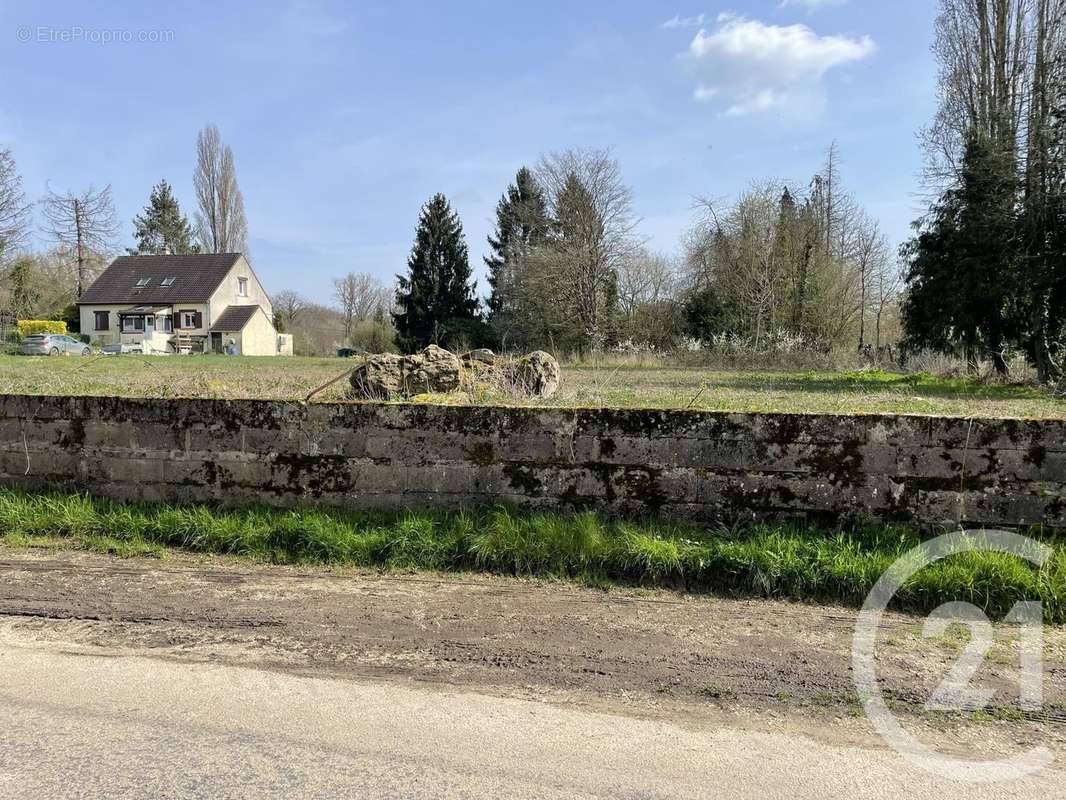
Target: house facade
211,302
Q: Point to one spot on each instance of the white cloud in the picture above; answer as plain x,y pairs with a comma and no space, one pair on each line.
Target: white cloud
754,66
705,93
811,5
677,21
762,100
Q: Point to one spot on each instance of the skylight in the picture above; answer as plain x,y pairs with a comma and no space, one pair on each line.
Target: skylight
143,282
168,281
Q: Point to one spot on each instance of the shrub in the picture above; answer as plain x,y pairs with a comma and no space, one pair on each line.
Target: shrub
28,327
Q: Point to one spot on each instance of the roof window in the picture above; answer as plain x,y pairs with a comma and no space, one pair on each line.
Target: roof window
143,282
168,281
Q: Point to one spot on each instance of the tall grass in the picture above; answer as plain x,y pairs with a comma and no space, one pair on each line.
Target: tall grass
780,561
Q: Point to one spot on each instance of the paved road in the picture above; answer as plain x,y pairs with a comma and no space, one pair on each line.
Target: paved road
85,725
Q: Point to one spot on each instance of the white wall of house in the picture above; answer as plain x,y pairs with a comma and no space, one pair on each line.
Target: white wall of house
180,309
258,337
228,292
110,335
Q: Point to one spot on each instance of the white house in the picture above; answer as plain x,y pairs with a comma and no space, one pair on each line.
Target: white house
182,303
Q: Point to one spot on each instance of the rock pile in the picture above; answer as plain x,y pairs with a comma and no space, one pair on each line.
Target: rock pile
386,376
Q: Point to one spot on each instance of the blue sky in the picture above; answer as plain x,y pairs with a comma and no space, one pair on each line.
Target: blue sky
345,118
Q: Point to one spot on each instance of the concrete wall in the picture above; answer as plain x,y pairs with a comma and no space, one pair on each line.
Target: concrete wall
710,467
258,337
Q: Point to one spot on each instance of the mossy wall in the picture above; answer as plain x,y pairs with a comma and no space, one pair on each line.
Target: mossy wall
693,465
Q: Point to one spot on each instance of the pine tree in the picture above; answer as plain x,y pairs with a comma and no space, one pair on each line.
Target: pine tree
522,223
436,298
162,228
963,265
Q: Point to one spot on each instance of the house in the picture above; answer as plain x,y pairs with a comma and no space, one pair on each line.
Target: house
182,304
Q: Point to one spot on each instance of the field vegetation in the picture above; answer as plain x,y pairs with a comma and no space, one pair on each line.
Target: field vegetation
618,381
795,562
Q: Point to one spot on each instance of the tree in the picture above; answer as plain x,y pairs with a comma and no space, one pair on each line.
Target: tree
287,305
84,224
1001,79
436,298
162,228
1041,219
962,265
359,297
983,48
220,223
24,295
593,233
522,224
14,210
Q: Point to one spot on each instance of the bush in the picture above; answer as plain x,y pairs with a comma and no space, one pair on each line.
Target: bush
373,336
29,327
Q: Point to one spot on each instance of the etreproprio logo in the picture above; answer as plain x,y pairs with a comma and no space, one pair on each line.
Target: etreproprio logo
955,693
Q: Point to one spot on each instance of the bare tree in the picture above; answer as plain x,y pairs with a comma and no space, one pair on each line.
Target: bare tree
85,225
14,210
646,279
360,296
887,282
595,233
983,50
289,304
871,259
221,226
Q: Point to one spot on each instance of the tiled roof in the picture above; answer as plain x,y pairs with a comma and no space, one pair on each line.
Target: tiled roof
234,318
195,278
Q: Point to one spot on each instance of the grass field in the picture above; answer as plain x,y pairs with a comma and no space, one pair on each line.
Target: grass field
795,562
611,385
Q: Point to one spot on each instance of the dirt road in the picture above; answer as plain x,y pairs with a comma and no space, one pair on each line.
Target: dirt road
694,664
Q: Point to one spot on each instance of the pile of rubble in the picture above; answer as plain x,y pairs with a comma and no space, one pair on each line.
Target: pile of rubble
386,376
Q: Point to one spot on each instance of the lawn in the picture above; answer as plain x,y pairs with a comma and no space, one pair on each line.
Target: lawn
785,561
611,385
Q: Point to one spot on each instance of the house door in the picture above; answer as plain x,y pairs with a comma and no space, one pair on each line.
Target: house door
216,342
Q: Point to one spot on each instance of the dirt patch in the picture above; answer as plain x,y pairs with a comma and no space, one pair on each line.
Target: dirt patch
649,652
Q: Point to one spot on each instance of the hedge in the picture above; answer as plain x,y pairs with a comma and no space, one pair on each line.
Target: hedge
28,327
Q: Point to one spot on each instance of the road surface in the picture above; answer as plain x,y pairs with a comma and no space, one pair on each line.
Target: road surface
219,679
91,726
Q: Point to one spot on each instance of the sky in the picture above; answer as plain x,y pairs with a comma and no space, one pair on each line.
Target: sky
344,118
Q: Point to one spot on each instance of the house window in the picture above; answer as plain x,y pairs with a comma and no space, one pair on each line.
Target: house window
102,320
143,282
168,281
188,319
132,324
242,287
166,324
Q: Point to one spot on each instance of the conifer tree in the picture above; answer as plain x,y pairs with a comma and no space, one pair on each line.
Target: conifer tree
522,223
962,273
436,298
162,228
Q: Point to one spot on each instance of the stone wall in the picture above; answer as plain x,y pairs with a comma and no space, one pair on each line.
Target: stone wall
710,467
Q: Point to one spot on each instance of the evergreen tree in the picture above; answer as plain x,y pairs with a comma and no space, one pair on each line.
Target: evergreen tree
24,296
162,228
522,223
580,233
436,298
962,277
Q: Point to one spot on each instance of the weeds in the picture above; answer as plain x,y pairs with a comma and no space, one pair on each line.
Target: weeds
605,380
778,561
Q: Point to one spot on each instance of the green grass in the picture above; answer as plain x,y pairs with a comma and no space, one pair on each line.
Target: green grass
610,384
794,562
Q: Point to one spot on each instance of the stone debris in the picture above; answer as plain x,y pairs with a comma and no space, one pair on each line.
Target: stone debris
386,376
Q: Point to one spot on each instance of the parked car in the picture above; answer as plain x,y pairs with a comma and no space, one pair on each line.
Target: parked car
53,344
